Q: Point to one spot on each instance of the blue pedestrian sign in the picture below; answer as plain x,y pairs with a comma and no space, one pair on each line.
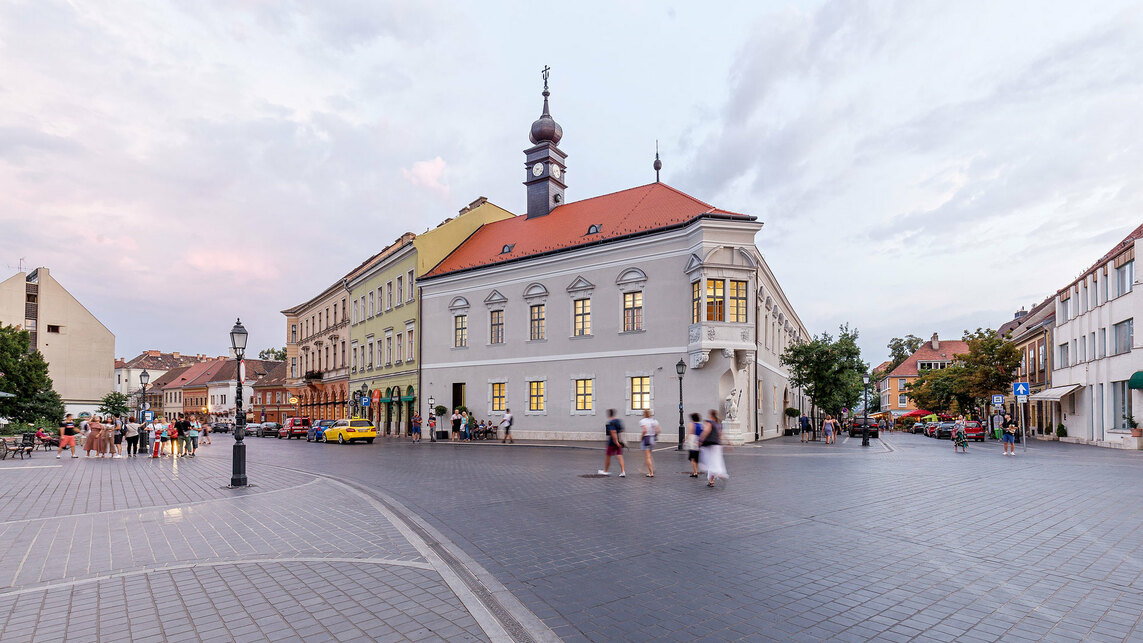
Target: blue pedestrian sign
1019,388
997,400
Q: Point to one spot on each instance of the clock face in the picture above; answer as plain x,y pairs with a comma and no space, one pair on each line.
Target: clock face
555,170
537,169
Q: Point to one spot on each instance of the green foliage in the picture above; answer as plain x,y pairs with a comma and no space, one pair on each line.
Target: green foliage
114,403
25,375
941,391
828,370
988,367
440,409
273,354
1061,431
900,350
17,428
792,412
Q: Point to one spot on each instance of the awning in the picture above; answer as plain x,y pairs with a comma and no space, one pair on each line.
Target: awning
1054,394
1136,380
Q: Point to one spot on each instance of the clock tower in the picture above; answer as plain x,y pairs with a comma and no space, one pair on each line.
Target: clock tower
545,164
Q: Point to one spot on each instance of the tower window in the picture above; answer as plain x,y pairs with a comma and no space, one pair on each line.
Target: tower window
593,228
507,248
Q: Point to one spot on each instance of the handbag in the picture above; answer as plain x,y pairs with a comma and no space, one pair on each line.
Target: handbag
691,442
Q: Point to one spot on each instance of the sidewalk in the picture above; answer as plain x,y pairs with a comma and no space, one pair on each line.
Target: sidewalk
160,550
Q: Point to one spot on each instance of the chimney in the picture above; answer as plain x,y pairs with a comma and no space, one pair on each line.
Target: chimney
176,354
936,342
1020,314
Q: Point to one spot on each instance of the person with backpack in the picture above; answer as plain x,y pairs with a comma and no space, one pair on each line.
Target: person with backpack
506,422
614,431
710,450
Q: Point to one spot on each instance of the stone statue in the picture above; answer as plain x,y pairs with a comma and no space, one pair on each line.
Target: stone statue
730,405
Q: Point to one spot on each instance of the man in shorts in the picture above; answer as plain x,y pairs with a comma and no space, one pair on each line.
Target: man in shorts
614,445
184,426
1008,439
416,428
117,436
506,422
67,436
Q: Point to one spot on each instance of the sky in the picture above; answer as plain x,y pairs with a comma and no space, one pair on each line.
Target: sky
919,167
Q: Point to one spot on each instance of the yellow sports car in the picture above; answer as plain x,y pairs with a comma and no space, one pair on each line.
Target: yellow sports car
352,430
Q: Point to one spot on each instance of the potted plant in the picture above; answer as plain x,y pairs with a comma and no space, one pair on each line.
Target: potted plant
791,413
1061,430
1136,432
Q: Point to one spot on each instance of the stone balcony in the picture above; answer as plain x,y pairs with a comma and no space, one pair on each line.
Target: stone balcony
718,336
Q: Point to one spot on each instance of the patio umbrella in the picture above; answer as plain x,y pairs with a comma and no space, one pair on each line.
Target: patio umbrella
916,414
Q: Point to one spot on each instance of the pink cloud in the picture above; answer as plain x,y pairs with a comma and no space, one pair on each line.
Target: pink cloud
427,174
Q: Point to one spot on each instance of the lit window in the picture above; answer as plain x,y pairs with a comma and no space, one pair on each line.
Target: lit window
496,327
581,323
460,331
640,393
536,396
738,299
583,395
632,311
498,396
536,322
715,291
696,302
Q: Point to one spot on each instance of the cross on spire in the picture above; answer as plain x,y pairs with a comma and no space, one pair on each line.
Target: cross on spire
545,72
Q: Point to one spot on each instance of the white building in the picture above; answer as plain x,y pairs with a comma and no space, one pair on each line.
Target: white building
575,308
1097,379
222,388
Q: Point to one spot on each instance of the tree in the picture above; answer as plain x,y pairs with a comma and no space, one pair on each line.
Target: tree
114,403
900,350
991,364
828,370
273,354
24,373
941,390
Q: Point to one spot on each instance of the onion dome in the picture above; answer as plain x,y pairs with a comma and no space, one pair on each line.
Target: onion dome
546,128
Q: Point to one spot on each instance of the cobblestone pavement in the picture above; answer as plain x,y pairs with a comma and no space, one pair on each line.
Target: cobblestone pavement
903,540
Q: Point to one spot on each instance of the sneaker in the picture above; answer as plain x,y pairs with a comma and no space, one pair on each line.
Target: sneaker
622,474
116,456
601,472
74,455
57,456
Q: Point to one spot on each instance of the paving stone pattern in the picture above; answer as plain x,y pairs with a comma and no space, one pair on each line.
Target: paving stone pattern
904,540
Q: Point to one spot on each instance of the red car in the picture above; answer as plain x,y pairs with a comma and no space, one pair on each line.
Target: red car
974,430
294,428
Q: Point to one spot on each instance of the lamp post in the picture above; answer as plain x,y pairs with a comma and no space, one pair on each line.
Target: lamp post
238,473
681,368
144,442
362,396
865,423
433,415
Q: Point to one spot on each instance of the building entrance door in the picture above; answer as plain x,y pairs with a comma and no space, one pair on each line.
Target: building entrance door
457,395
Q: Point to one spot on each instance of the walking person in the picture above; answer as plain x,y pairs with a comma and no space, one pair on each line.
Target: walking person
614,430
996,423
692,443
960,438
67,436
191,439
506,422
131,435
1008,438
455,426
649,430
710,450
117,437
804,425
829,427
416,428
206,431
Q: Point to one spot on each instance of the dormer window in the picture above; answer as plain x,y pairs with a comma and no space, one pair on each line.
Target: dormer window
593,228
507,248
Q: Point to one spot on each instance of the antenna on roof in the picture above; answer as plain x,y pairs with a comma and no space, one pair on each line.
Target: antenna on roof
658,165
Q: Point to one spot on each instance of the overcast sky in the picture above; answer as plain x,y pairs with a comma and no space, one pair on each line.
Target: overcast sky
919,166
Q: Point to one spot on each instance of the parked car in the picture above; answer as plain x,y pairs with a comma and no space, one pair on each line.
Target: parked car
221,427
253,429
945,430
294,428
316,432
269,429
919,427
352,430
974,430
857,427
931,429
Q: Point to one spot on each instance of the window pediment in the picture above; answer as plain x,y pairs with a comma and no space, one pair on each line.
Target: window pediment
581,286
631,279
535,293
458,304
495,300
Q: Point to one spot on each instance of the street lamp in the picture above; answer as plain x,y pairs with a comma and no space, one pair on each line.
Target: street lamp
865,427
144,379
681,368
238,337
433,414
361,400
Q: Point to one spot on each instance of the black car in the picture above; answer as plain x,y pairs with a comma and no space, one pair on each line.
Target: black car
945,430
220,427
857,427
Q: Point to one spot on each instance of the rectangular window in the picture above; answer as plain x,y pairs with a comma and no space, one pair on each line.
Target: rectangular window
371,303
1063,362
902,400
293,333
1124,278
738,299
410,282
1103,342
1082,350
1063,314
696,302
354,365
411,354
536,322
581,322
900,384
400,289
389,296
632,311
1122,336
496,327
498,396
1120,405
583,394
460,331
400,347
370,345
536,396
388,350
640,392
715,291
293,367
355,311
53,328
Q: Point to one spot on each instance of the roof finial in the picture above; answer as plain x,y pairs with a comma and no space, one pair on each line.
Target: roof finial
545,72
658,165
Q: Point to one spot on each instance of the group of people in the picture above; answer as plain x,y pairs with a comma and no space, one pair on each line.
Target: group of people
117,437
465,427
703,444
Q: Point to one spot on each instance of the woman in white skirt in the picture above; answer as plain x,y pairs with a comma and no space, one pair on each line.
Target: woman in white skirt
710,450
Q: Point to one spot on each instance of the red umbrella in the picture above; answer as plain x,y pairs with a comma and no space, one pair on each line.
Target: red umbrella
917,414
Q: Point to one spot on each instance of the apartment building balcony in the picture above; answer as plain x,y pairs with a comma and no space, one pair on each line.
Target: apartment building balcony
730,338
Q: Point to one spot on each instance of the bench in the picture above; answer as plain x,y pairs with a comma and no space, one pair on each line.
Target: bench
22,446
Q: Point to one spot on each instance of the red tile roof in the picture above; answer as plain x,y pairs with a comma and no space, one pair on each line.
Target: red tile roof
948,349
194,372
276,376
168,377
647,208
256,369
